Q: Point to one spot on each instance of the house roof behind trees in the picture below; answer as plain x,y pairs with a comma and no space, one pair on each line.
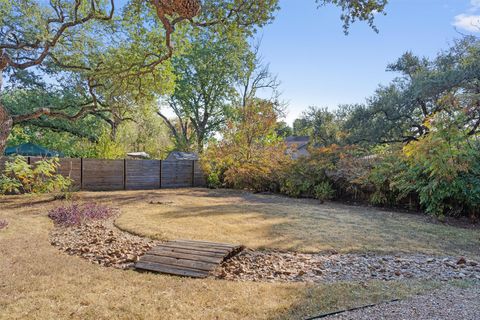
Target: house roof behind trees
179,155
297,141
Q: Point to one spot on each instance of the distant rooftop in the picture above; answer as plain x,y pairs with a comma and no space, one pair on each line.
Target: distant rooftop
297,142
138,155
179,155
293,139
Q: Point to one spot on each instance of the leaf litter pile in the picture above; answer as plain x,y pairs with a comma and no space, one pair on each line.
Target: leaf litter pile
87,230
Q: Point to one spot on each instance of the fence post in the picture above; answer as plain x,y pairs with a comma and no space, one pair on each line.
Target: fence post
124,174
160,174
81,173
193,173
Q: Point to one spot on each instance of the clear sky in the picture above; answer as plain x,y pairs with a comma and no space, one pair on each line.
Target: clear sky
318,65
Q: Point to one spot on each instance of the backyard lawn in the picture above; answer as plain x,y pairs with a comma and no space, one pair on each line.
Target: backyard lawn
271,221
39,281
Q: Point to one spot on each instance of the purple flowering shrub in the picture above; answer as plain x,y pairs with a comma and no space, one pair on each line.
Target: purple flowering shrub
3,223
76,214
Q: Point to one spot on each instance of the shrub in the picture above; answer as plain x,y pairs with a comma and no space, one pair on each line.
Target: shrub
300,179
213,180
324,191
76,214
381,180
40,177
250,155
3,224
444,170
331,166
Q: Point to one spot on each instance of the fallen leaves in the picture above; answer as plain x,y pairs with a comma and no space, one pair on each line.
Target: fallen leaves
272,266
101,242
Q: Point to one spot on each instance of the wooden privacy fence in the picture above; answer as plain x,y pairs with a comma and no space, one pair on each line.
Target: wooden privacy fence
126,174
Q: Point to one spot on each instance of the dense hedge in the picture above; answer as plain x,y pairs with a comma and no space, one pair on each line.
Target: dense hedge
439,173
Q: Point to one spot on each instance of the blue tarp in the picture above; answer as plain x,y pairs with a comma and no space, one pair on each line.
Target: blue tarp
31,150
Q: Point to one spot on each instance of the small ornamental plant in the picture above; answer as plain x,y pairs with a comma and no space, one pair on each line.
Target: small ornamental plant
3,224
76,214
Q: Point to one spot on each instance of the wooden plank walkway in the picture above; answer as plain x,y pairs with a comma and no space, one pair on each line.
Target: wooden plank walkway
187,257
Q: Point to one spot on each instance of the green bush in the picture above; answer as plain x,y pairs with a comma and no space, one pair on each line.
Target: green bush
327,166
213,180
324,191
20,177
444,170
299,179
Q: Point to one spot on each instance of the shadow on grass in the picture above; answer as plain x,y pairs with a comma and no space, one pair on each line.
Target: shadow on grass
306,226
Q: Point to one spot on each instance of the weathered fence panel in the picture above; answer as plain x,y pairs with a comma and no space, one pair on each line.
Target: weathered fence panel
142,174
72,168
103,175
198,175
106,175
177,174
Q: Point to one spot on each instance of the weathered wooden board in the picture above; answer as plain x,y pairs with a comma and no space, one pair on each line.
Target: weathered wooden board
198,175
71,168
177,174
142,174
187,257
103,174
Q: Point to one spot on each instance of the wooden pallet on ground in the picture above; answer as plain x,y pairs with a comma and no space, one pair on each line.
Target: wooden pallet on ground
187,257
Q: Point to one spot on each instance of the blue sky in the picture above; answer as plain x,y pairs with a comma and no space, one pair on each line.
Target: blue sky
319,65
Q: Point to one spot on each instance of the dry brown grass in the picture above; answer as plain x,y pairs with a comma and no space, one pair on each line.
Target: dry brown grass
269,221
39,282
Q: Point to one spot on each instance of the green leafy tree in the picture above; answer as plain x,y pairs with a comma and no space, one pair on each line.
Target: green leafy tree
398,112
283,130
87,38
323,126
90,40
445,169
353,10
205,87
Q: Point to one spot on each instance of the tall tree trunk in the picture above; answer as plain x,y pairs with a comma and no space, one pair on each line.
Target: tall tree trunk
6,121
200,142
